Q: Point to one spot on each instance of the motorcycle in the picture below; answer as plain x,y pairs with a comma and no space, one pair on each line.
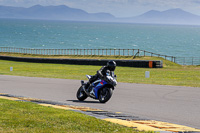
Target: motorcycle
101,89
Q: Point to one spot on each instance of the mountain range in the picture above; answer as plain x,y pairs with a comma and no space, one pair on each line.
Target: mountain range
172,16
62,12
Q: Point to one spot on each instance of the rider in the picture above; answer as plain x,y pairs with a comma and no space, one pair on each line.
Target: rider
109,68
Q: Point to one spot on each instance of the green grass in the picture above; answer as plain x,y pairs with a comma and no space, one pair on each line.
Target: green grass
82,56
171,74
23,117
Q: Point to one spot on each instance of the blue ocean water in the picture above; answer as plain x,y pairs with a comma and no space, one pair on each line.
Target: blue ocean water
172,40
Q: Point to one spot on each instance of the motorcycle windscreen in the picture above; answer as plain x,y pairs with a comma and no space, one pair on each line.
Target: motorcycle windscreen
99,86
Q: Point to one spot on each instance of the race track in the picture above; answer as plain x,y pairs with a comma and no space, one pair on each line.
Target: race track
180,105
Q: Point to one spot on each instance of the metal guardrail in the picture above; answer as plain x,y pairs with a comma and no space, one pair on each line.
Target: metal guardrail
100,52
187,60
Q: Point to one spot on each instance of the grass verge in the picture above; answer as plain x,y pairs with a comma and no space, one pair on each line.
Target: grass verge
19,117
171,74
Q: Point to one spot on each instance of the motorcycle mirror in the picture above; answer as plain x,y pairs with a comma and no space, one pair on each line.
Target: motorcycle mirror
82,82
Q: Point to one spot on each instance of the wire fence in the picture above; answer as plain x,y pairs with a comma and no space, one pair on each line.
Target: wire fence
187,60
100,52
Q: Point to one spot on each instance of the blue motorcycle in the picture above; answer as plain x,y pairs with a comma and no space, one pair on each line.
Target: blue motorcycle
101,89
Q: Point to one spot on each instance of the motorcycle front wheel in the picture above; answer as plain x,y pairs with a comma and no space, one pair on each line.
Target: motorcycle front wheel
81,95
105,94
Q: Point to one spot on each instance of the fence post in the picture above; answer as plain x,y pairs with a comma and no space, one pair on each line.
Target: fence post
192,61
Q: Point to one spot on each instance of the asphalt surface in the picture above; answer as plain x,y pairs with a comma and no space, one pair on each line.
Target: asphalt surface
174,104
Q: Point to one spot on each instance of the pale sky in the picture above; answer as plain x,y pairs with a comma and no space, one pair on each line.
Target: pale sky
118,8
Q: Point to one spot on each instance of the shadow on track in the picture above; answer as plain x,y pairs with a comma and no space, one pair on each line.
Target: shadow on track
77,101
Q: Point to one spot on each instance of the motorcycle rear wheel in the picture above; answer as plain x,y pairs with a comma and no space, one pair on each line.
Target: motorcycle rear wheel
105,94
81,95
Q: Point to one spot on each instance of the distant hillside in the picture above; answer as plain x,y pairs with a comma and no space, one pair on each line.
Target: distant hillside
61,12
172,16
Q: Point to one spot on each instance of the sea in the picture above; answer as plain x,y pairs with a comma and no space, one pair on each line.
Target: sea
171,40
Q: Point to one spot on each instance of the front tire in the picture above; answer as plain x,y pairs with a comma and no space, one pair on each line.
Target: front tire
105,94
81,95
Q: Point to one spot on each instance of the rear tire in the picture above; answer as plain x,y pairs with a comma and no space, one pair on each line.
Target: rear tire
81,95
105,94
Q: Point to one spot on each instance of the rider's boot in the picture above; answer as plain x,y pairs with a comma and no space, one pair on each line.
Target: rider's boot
92,92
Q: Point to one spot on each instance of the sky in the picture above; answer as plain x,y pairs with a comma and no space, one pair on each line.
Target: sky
118,8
